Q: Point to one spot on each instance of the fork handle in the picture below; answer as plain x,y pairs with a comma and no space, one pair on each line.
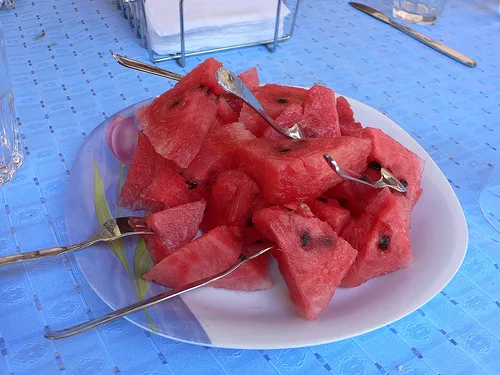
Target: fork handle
39,254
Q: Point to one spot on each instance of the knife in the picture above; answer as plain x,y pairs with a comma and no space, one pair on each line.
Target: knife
455,55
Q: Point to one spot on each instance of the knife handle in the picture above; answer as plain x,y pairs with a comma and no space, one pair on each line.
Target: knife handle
450,52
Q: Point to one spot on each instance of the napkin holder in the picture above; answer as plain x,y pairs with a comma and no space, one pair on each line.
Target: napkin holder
135,12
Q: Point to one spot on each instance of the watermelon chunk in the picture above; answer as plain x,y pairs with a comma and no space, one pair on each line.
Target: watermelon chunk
401,162
347,123
312,258
169,189
208,255
329,210
294,170
225,113
275,99
289,117
233,198
203,74
218,152
381,238
320,118
145,164
250,78
176,126
173,228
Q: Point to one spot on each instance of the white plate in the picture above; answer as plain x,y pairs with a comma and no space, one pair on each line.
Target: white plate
267,320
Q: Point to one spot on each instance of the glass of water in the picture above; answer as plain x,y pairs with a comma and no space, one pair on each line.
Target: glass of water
11,153
422,12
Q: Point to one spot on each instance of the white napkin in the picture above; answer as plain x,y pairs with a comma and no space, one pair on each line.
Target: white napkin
211,24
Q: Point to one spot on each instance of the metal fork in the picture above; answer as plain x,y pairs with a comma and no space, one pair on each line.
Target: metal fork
63,333
111,230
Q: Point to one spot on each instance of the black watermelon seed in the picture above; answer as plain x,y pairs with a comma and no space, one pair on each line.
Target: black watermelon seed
209,91
258,242
343,202
285,149
175,103
404,182
375,165
384,243
305,239
322,199
217,96
327,241
201,87
191,185
249,222
281,100
365,178
288,209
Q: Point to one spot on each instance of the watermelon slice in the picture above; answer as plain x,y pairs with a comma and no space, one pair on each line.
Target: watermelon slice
275,99
233,198
289,117
145,164
403,164
381,238
294,170
169,189
203,74
347,123
173,228
208,255
177,126
320,118
329,210
218,152
312,258
250,78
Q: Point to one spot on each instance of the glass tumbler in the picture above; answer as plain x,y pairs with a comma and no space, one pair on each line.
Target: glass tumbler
422,12
11,153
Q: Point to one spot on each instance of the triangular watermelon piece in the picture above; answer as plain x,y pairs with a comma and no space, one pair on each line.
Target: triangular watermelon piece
347,123
289,117
381,238
275,99
208,255
250,78
330,211
320,118
169,189
312,258
145,164
401,162
203,74
218,152
295,170
177,126
233,198
173,228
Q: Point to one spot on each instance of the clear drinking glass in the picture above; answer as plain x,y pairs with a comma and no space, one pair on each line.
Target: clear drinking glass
11,153
489,199
422,12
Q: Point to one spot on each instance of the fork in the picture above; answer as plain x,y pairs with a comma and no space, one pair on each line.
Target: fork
71,331
109,231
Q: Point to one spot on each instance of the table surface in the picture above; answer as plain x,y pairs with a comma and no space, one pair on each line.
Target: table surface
66,83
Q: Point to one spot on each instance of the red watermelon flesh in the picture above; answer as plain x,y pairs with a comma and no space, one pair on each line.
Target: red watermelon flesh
177,126
275,99
320,118
330,211
294,170
250,78
208,255
225,113
233,198
145,164
203,74
312,258
173,228
289,117
352,196
401,162
169,189
381,238
299,208
347,123
218,152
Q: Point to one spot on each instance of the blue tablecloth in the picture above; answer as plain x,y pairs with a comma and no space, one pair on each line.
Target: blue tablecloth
66,83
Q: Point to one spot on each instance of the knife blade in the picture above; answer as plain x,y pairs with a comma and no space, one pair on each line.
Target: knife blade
447,51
